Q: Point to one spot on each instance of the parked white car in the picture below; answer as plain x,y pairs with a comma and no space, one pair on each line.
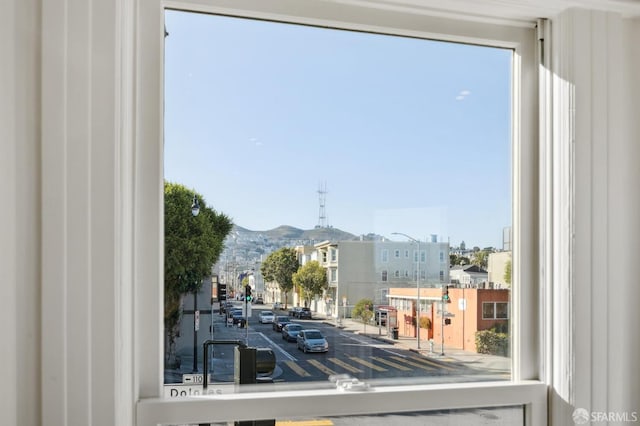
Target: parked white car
266,317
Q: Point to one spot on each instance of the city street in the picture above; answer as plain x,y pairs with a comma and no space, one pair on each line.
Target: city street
355,353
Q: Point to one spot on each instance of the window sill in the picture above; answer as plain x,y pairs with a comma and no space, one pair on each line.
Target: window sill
313,403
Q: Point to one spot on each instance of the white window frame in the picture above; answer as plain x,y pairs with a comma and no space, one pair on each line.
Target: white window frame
147,224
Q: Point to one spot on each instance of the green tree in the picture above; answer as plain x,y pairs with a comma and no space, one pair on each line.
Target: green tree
481,258
311,280
279,267
507,272
363,310
455,259
192,246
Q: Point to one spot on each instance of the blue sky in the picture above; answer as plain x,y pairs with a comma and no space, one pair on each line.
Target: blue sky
408,135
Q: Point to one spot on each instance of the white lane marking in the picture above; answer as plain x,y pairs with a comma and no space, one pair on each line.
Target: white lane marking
368,343
282,351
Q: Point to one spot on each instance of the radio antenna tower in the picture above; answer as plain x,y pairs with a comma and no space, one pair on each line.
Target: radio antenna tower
322,196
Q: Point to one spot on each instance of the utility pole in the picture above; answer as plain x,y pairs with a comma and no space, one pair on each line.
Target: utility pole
442,313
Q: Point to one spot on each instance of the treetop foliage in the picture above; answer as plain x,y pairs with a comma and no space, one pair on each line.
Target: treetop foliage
311,279
193,244
363,310
279,267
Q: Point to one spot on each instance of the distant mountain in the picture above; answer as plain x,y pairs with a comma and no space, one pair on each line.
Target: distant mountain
292,233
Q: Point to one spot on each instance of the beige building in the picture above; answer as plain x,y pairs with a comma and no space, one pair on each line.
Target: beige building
497,267
367,269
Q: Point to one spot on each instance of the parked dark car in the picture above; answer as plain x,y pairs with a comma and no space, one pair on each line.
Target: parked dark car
293,311
280,322
259,301
304,313
225,306
238,318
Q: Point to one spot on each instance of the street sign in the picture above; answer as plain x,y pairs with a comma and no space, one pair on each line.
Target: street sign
197,321
462,304
194,378
446,314
180,390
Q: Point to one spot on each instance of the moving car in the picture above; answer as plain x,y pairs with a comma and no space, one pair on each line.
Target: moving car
290,331
266,317
277,306
280,322
312,341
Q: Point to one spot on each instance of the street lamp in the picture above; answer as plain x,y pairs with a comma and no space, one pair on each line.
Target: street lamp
195,210
195,207
417,284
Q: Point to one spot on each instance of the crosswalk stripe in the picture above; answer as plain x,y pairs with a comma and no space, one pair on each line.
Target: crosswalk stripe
391,363
415,364
435,364
345,365
297,369
367,364
321,367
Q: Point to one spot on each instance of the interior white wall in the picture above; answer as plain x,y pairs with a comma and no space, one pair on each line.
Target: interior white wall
594,339
61,221
20,192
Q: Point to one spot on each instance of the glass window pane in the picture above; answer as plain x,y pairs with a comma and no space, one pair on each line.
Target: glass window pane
488,310
502,310
256,114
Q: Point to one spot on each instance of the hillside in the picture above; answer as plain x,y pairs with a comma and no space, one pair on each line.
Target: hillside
292,233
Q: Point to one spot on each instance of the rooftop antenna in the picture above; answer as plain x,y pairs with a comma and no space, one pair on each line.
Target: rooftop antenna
322,196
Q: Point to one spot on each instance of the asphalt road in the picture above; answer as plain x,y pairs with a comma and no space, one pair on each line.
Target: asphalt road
352,354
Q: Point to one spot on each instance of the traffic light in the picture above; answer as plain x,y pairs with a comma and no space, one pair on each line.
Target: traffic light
247,293
445,294
222,291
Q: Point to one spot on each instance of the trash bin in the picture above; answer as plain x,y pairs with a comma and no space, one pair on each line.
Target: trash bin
394,333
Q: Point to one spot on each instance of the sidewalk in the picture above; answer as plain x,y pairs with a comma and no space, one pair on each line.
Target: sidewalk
484,362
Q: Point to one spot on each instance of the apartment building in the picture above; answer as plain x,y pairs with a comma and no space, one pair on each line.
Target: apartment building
367,269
